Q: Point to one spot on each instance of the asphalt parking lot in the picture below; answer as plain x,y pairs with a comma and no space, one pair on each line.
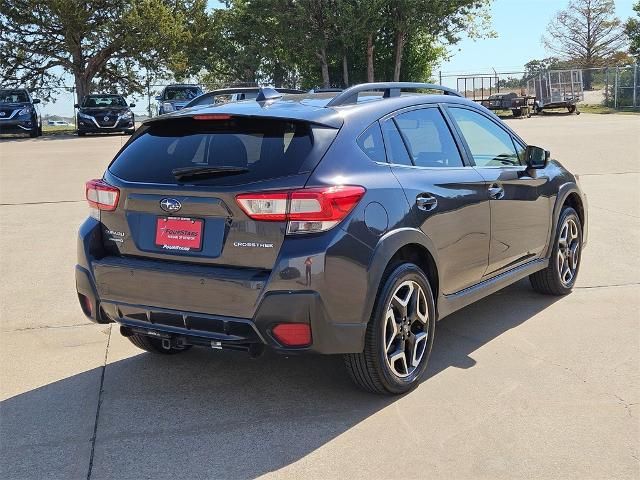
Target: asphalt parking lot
519,385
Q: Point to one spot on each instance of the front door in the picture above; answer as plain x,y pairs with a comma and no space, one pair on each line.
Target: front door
520,215
448,198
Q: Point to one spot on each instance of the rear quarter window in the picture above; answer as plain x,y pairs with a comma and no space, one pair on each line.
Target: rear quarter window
267,148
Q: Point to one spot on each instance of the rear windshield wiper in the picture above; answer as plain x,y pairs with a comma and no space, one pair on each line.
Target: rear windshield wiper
220,171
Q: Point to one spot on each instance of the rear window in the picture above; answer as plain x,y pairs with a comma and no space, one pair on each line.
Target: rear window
268,149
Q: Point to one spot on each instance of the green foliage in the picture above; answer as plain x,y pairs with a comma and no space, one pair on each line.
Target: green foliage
308,43
103,44
632,30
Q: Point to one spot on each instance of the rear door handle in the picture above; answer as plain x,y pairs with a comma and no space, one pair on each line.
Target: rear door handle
496,191
426,202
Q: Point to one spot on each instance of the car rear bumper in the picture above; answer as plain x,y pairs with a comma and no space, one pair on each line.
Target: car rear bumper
205,305
219,331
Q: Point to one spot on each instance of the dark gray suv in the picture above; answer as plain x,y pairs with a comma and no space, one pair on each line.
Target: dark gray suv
343,223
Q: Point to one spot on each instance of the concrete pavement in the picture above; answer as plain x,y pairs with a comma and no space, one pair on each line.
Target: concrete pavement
519,386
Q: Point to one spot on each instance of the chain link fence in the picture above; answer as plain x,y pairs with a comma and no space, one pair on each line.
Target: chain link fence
616,87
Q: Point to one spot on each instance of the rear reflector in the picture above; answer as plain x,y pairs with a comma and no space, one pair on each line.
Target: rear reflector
101,195
292,334
307,210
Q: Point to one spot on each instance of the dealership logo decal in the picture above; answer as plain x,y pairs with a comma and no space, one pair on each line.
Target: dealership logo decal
170,205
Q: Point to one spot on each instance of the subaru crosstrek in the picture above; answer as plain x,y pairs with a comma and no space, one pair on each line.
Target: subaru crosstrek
19,112
332,223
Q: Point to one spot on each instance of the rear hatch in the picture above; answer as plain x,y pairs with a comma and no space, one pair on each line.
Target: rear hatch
178,180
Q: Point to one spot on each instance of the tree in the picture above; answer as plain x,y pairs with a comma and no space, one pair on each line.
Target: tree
632,30
587,33
102,44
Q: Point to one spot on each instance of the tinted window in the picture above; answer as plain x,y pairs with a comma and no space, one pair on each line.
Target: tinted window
268,149
490,145
181,93
428,137
372,144
396,151
95,101
13,96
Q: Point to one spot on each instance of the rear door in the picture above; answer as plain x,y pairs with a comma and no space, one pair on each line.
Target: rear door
520,215
448,197
196,219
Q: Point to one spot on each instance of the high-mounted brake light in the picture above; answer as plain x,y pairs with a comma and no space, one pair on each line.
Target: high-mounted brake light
101,195
212,116
308,210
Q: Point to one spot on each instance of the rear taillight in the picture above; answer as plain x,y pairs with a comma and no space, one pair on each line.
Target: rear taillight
307,210
101,195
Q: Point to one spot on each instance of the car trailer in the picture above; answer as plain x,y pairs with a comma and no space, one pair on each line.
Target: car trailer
557,89
485,90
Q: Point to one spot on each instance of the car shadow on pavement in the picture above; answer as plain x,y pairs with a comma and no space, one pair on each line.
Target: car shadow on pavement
218,414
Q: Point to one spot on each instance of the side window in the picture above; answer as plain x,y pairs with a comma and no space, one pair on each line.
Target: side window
371,143
428,137
396,151
520,150
490,145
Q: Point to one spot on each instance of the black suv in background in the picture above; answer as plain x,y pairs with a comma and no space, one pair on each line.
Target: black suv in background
105,113
176,96
341,223
18,112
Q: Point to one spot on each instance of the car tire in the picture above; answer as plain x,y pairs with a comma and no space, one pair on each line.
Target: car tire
81,134
154,345
561,274
33,133
399,336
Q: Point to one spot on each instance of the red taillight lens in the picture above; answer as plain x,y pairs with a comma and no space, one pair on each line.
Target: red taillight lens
101,195
307,210
292,334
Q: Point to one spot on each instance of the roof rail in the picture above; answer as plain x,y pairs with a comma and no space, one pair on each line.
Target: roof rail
390,89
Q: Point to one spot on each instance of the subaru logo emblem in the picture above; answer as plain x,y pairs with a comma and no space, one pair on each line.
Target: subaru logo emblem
106,119
170,205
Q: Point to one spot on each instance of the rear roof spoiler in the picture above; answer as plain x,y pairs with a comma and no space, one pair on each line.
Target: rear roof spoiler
389,89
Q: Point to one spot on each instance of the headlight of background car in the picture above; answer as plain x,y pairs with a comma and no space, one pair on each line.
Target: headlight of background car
167,107
84,115
24,112
126,115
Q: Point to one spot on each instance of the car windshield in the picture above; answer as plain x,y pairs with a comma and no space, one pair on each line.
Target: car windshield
181,93
13,96
98,101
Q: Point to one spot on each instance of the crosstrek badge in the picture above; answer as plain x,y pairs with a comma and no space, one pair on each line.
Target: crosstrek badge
179,233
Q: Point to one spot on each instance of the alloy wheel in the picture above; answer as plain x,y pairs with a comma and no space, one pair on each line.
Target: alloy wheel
406,329
568,256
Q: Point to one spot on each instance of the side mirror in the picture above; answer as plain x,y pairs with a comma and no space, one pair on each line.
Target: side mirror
36,100
159,97
76,106
536,157
131,105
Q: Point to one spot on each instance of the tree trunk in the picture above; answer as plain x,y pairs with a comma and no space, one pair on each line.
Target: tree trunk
83,85
324,66
370,58
345,70
398,49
